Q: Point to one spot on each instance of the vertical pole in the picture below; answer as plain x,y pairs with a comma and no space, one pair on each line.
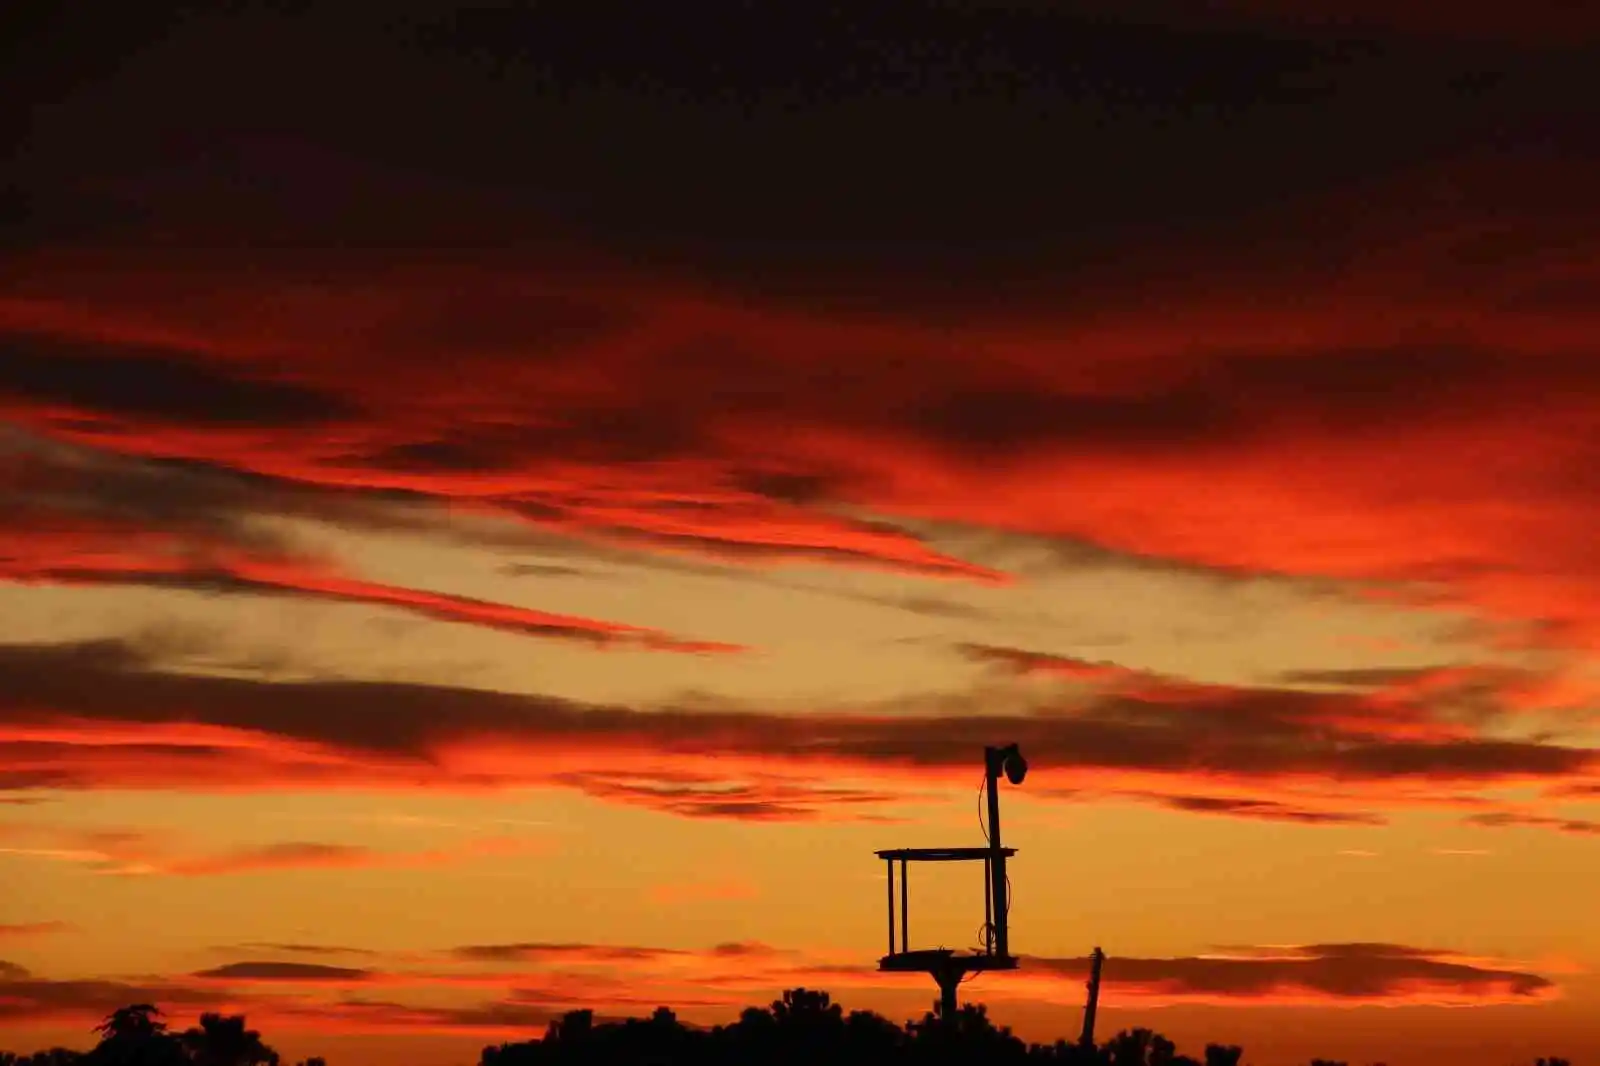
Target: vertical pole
889,865
1086,1041
905,910
997,869
949,981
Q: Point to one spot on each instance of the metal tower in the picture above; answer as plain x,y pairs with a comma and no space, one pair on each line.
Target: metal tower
947,967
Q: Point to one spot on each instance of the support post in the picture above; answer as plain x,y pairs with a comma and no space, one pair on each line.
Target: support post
997,868
889,865
949,978
905,910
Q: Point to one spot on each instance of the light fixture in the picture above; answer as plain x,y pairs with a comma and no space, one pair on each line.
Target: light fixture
1016,766
1007,760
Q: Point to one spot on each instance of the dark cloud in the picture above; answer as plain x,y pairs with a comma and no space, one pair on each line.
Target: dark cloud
1213,732
54,485
876,545
1128,197
154,384
1266,810
620,434
745,949
1338,971
87,519
542,951
1023,419
1505,819
29,999
285,971
548,570
1024,661
706,796
301,949
731,125
511,1016
1355,677
285,855
63,494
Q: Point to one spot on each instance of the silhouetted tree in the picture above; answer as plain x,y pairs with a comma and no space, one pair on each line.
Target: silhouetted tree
804,1027
136,1036
1131,1047
56,1056
1223,1054
141,1021
221,1040
570,1029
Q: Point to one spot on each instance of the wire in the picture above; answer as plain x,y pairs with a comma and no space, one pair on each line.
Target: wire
983,783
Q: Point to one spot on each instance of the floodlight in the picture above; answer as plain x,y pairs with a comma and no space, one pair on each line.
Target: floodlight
1016,766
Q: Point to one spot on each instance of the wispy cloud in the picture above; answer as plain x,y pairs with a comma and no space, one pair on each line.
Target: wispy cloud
131,852
1528,820
30,929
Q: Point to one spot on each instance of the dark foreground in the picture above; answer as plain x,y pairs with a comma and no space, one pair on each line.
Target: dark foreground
801,1029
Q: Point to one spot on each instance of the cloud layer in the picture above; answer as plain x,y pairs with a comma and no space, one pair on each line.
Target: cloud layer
1227,293
101,715
715,982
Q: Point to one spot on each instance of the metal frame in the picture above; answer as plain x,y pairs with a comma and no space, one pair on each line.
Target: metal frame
948,967
992,859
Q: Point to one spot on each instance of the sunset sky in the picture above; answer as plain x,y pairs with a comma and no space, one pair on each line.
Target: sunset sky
506,510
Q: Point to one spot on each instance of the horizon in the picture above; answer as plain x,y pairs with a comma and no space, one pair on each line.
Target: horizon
503,508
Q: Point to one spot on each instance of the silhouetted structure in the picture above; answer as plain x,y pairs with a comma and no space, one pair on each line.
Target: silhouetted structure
804,1028
947,967
1092,1002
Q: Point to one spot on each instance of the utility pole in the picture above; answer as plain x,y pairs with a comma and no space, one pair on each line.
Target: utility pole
1086,1041
994,761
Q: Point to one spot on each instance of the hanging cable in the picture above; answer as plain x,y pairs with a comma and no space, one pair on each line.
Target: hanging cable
983,783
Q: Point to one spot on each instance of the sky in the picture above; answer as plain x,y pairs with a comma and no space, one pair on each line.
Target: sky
507,509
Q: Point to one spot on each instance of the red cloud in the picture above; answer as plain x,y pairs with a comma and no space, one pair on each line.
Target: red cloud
58,548
98,715
1328,440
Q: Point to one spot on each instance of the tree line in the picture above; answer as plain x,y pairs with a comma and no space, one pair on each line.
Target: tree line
803,1028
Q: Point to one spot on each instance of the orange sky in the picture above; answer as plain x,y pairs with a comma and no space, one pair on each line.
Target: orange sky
447,580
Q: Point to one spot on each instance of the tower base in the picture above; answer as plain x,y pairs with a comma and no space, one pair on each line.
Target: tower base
947,968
